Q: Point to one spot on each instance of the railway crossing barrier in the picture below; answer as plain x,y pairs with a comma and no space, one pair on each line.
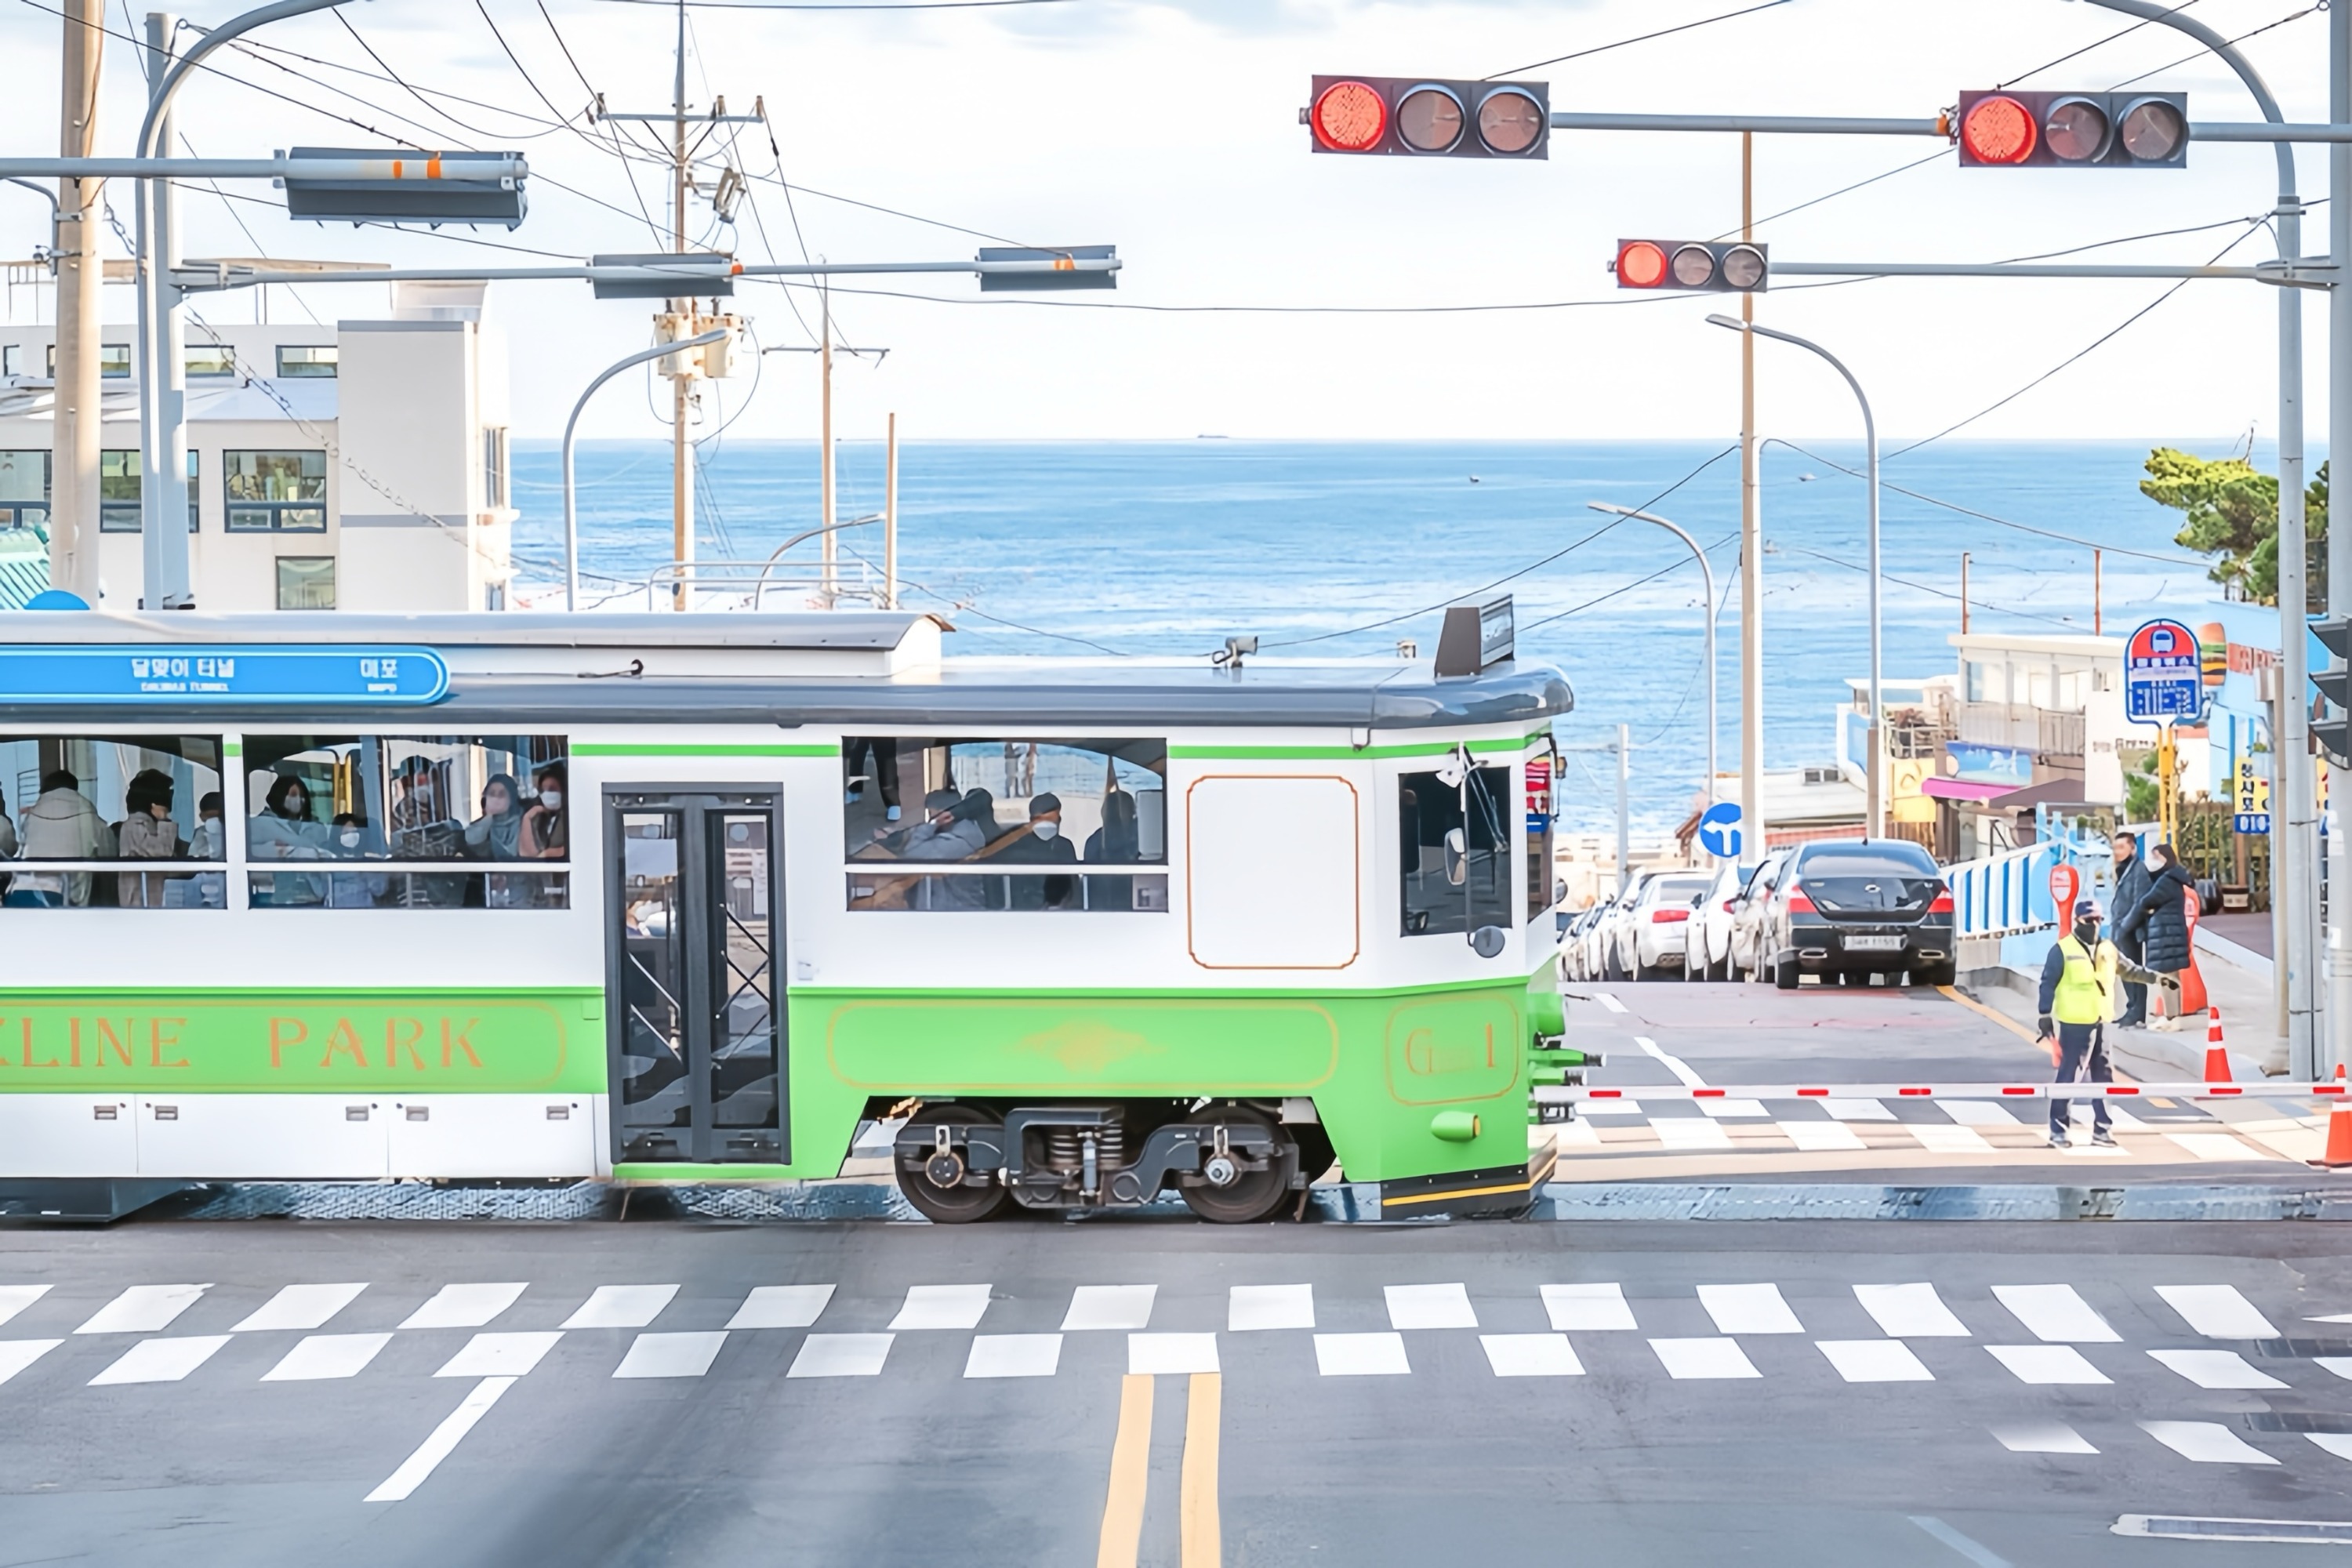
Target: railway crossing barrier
2325,1088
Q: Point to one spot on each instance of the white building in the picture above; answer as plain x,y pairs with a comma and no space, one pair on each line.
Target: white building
357,466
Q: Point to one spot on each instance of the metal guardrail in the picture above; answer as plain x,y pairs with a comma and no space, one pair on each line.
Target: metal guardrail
2335,1089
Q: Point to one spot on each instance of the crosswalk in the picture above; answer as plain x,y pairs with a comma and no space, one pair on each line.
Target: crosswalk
2028,1336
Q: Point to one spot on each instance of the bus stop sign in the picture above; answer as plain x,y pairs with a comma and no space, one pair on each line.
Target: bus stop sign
2163,674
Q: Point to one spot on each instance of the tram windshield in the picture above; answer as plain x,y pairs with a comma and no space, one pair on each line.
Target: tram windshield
1455,866
993,814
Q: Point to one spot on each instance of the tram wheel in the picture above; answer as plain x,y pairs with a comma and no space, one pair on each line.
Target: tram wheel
957,1205
1251,1195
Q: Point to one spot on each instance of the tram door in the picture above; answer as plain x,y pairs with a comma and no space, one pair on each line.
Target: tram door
693,928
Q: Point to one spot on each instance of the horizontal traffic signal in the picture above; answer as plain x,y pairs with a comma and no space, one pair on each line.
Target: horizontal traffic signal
1707,266
1427,118
432,188
2003,130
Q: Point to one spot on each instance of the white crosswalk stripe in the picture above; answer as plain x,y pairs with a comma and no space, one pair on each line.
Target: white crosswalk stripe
1874,1361
2206,1442
1152,1354
782,1307
1531,1355
500,1354
2042,1437
942,1306
1013,1355
142,1310
621,1306
464,1306
14,1299
1110,1307
1820,1137
1749,1310
2048,1363
1270,1307
841,1355
1940,1138
2055,1314
1696,1359
687,1354
1910,1311
298,1307
1430,1306
2337,1443
15,1355
1857,1110
161,1360
1688,1132
2216,1369
320,1356
1360,1355
2218,1311
1592,1309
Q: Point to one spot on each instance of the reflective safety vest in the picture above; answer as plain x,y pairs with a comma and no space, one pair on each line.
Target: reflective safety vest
2087,991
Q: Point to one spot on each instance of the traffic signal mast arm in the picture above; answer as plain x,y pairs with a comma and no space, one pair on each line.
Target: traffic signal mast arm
691,275
1841,125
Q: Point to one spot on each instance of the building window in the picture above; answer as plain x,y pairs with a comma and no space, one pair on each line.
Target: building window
118,493
305,360
494,468
996,820
24,489
113,361
118,819
209,359
282,492
1456,874
414,820
306,582
12,360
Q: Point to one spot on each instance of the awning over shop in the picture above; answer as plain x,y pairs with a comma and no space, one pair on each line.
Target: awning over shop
1955,789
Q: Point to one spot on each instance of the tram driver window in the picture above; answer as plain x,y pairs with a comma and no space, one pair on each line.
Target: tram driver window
1040,824
406,821
121,821
1456,868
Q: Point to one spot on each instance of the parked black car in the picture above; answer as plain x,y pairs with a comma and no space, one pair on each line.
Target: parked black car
1861,907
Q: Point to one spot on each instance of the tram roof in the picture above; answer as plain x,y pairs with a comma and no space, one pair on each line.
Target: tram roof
534,670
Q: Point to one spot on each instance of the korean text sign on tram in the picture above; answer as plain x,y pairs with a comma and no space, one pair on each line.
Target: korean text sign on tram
240,675
2163,675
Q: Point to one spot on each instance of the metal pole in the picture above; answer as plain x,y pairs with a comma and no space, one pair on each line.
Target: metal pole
2295,825
570,516
1964,598
76,436
2098,597
890,519
681,459
2277,131
1876,821
1624,832
1751,551
831,553
2333,1047
1706,573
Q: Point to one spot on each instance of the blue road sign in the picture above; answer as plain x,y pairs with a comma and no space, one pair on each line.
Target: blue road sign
2164,676
2254,822
1719,831
193,674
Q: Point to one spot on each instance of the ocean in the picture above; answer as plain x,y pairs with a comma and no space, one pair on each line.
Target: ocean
1339,549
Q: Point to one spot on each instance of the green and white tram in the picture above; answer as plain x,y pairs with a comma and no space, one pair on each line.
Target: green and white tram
696,897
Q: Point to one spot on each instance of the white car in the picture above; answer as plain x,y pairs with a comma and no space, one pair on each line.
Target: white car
1597,942
1652,930
1706,951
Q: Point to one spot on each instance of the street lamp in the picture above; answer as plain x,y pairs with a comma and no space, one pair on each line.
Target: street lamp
571,518
1870,433
1706,572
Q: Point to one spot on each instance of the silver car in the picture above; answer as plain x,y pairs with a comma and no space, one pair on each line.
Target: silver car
1708,946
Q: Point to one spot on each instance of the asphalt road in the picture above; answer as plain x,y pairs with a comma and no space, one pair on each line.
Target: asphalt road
1374,1429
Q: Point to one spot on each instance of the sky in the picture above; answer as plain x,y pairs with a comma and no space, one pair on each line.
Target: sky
1169,128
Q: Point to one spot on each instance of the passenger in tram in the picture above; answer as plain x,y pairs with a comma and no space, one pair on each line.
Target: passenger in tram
284,829
879,752
1117,842
353,889
1041,843
61,824
497,835
424,828
545,836
209,842
948,832
8,833
148,833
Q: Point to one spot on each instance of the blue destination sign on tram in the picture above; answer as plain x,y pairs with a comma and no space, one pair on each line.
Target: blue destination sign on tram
192,673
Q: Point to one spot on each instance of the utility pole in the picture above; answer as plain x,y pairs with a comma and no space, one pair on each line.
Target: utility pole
1624,780
81,274
1751,551
1964,601
891,517
2334,1046
828,576
681,384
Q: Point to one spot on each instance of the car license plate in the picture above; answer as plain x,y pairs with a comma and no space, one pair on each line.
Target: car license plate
1874,944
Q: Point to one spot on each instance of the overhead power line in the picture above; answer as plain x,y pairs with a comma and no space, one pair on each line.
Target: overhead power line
1640,38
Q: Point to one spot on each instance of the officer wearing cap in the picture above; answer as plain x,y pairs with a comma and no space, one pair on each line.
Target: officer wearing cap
2079,984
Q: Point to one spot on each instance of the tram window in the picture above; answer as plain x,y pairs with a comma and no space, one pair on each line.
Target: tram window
1542,813
105,810
275,492
1456,874
447,801
1010,802
950,893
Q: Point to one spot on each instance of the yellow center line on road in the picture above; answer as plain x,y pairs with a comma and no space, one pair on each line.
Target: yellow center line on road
1130,1472
1973,1006
1203,1534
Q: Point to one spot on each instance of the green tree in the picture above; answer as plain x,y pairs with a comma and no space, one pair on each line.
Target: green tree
2232,513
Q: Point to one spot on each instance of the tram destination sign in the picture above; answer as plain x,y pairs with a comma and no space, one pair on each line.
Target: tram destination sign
192,673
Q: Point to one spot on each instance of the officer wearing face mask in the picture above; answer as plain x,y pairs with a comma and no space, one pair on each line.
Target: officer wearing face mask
2081,986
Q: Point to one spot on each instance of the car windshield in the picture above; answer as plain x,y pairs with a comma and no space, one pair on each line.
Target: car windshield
1675,891
1867,860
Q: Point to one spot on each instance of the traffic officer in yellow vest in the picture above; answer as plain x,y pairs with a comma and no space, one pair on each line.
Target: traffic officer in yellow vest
2081,985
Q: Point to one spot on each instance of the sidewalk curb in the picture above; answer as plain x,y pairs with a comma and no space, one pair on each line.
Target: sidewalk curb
1640,1200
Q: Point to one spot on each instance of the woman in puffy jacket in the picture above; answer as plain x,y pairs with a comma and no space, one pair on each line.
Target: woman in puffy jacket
148,833
2161,917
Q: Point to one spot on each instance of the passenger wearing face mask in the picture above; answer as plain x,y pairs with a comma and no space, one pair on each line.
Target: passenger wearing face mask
1042,843
544,835
2081,986
2161,917
353,889
284,829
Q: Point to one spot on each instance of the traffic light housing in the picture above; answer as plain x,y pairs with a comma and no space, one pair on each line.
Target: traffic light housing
1695,265
2334,733
2006,130
1426,117
431,188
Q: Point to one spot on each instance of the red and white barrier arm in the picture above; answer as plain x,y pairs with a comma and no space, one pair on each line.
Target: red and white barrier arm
2335,1089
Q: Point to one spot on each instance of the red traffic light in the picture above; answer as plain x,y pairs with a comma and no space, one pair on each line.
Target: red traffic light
1350,117
1641,265
1707,266
1998,129
1428,118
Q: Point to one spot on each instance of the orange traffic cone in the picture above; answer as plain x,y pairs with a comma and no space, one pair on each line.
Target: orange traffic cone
2216,1055
2339,1139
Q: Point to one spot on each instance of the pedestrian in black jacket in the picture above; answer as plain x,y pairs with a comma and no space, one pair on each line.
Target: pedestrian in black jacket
2160,919
2131,886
